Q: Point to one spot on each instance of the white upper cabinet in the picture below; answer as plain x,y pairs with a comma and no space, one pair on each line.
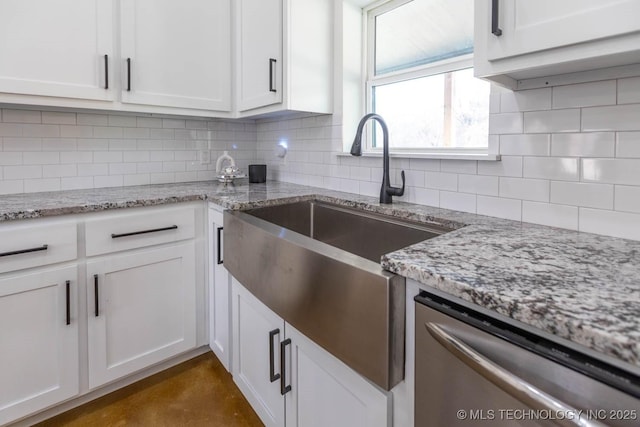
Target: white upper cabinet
520,40
57,48
260,53
284,56
176,54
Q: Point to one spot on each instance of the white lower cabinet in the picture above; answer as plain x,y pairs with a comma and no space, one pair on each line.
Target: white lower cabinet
219,291
141,310
38,340
289,380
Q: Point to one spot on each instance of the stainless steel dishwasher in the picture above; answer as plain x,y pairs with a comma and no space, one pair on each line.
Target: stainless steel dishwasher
472,369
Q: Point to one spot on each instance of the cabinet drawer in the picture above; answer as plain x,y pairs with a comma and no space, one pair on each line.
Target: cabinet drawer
122,231
31,244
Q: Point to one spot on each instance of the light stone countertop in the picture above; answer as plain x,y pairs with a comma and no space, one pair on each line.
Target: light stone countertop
581,287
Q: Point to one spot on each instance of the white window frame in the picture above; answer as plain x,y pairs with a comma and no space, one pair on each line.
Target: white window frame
371,80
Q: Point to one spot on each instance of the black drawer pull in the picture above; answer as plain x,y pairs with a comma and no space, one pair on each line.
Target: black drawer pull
95,295
106,71
272,375
272,85
25,251
68,299
219,259
283,375
128,74
134,233
495,18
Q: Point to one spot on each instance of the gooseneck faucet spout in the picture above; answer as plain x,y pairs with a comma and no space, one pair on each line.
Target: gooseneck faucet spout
386,191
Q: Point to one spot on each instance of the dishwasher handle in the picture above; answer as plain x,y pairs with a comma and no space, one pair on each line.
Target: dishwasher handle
511,384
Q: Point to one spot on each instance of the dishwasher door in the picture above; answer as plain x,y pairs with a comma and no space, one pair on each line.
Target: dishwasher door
467,377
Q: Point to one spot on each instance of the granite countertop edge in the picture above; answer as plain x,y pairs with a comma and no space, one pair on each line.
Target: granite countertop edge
576,286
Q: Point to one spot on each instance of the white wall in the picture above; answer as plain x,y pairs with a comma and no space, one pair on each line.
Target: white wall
570,158
49,151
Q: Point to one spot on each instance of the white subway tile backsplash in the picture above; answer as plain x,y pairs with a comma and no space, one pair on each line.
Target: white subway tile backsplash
459,166
426,196
39,185
92,119
22,172
58,171
501,208
550,214
359,173
76,183
628,144
68,131
526,100
618,117
10,159
76,157
58,118
629,91
107,132
135,133
478,184
458,201
524,189
552,121
21,116
441,181
11,186
122,168
587,144
41,131
148,122
10,129
108,181
122,121
22,144
93,169
173,123
611,171
59,144
627,198
507,166
424,165
505,123
555,168
107,156
582,194
612,223
525,145
585,94
41,158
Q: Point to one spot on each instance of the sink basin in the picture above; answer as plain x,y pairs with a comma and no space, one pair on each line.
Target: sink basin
317,265
361,233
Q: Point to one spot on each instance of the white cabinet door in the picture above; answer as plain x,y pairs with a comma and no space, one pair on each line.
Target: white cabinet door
38,341
219,292
56,48
144,311
176,53
326,392
529,26
257,333
259,38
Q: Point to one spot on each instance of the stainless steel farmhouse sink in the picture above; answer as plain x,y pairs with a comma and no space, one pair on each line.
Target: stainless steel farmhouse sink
318,266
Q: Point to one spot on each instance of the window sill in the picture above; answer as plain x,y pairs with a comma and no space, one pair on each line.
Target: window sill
436,156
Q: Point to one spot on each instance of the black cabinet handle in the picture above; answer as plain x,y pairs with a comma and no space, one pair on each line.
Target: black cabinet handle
153,230
218,256
95,295
495,18
272,85
106,71
272,375
25,251
283,375
128,74
68,299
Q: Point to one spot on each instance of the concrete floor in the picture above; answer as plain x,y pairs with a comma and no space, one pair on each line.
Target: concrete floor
199,392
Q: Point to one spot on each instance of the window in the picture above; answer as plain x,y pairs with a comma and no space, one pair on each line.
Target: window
420,77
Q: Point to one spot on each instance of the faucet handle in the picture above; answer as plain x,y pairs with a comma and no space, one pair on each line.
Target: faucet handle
395,191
